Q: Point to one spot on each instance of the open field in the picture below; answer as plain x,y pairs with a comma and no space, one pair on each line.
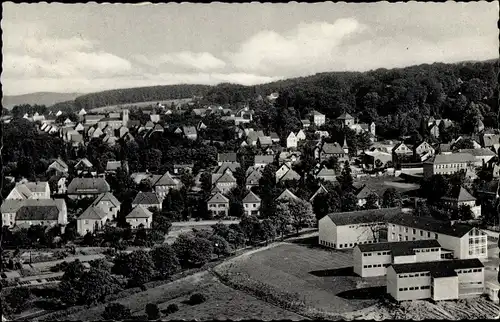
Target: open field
322,279
380,184
187,226
223,302
119,107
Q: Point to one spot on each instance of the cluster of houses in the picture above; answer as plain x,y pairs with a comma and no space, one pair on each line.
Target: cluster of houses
422,258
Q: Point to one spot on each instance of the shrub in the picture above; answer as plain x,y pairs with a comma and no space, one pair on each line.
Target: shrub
172,308
116,311
18,298
143,287
60,254
152,311
197,298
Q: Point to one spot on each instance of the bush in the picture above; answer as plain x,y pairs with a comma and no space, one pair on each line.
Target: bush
197,298
18,299
152,311
172,308
143,287
116,311
60,254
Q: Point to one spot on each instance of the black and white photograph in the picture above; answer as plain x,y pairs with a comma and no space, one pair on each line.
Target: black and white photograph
250,161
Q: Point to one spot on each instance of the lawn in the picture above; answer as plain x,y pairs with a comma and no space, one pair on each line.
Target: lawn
119,107
223,302
321,278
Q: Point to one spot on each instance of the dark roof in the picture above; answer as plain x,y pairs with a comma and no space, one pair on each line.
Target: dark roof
92,212
227,157
363,216
451,158
430,224
437,266
146,198
37,213
88,185
399,246
459,195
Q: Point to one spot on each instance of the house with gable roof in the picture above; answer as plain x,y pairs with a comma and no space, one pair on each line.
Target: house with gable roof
140,215
147,199
45,212
108,203
87,187
459,197
91,220
345,120
260,161
59,166
226,157
325,151
224,182
318,118
320,190
218,204
291,141
251,204
287,195
83,166
301,136
30,190
252,179
164,184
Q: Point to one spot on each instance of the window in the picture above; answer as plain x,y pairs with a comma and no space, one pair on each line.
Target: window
379,254
413,238
414,232
406,229
435,236
86,222
406,237
428,234
401,289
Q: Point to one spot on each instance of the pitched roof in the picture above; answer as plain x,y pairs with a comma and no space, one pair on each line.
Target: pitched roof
251,198
140,211
227,165
287,194
146,198
113,165
227,157
59,164
88,185
430,224
364,192
166,180
92,212
491,139
37,212
325,172
363,216
40,186
11,206
482,152
85,162
218,198
438,267
345,116
227,177
274,136
265,140
401,247
189,130
290,175
460,195
263,159
254,176
314,112
451,158
332,148
108,196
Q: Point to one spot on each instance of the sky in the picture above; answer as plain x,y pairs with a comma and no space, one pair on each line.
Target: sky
93,47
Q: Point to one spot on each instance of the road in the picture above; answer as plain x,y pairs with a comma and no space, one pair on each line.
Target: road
202,223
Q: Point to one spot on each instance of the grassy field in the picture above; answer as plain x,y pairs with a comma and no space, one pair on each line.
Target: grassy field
323,278
223,302
119,107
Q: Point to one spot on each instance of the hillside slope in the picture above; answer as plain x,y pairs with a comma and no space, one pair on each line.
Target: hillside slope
40,98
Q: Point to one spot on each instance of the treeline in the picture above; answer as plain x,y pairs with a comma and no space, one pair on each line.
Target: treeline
139,94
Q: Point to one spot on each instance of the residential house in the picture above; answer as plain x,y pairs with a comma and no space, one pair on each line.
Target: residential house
318,118
436,280
164,184
226,157
322,134
252,179
424,149
448,163
363,194
282,171
232,166
201,126
87,187
90,119
482,155
30,190
402,149
289,175
289,158
291,141
434,130
218,205
287,195
9,209
251,204
376,158
326,174
345,120
59,166
264,142
320,190
140,215
113,166
253,136
490,140
327,150
108,203
475,139
301,136
373,259
459,197
62,187
155,118
305,124
147,199
183,168
83,166
224,182
190,132
45,212
274,137
260,161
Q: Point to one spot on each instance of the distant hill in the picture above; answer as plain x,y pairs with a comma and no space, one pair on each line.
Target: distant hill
40,98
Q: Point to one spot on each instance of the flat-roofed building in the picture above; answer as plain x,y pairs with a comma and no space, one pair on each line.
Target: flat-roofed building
436,280
373,259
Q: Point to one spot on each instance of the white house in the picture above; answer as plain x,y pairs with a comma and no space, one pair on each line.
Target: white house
373,259
140,216
301,136
91,220
448,163
218,205
291,141
461,197
318,118
30,190
108,203
251,204
436,280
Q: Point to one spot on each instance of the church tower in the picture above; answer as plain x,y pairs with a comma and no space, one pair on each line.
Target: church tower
345,147
125,118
